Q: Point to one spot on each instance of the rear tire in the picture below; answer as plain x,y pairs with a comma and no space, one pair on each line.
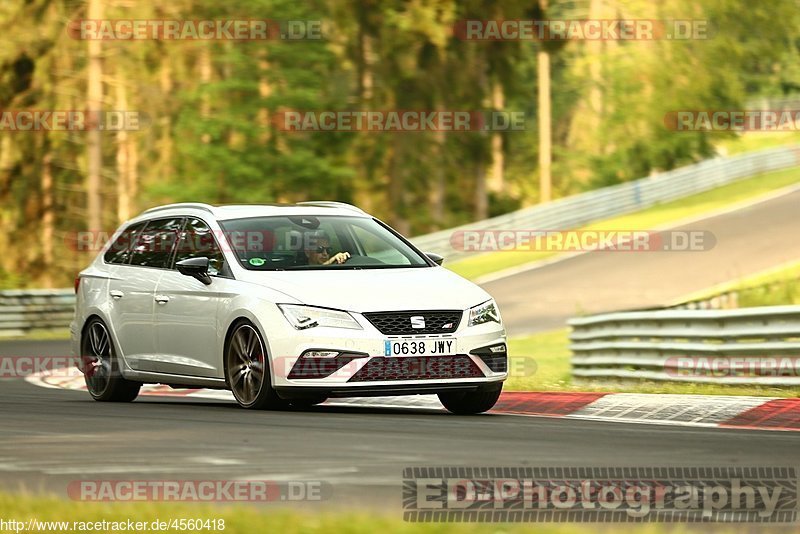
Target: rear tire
470,402
101,367
247,370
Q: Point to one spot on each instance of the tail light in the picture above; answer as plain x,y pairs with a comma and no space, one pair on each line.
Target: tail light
77,284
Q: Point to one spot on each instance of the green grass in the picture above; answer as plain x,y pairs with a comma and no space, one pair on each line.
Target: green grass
253,519
781,293
41,335
778,286
648,219
752,141
549,351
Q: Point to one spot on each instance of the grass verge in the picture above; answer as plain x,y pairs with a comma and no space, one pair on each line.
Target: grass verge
778,286
648,219
541,363
752,141
41,335
250,519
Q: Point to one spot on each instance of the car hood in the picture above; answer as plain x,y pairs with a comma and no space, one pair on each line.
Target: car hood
367,290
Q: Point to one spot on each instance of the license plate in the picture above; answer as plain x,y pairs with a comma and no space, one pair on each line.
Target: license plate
419,347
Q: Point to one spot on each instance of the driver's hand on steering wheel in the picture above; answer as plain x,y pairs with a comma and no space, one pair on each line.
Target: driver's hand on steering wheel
341,257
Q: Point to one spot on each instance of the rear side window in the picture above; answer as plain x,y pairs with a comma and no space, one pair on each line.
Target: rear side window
120,250
155,244
197,240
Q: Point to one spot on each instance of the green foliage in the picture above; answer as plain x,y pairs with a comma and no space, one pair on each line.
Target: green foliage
213,137
9,280
785,292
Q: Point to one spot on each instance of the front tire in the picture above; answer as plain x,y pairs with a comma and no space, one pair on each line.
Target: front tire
247,370
101,367
470,402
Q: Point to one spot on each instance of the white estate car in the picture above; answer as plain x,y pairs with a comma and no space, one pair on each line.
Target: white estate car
284,305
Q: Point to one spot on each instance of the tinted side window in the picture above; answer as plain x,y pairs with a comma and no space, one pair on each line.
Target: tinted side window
155,244
120,250
197,240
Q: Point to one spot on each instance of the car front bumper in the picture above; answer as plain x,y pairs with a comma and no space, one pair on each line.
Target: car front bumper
361,367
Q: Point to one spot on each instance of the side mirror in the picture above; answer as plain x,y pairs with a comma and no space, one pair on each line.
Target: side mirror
435,258
196,268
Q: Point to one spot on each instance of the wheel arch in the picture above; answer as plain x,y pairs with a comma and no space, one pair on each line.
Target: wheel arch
118,352
246,317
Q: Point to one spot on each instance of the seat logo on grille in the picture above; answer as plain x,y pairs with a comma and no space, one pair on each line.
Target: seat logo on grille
417,321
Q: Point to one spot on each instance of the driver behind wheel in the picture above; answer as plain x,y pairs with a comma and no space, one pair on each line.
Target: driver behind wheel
318,251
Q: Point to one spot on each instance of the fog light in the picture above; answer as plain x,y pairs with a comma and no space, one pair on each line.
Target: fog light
498,348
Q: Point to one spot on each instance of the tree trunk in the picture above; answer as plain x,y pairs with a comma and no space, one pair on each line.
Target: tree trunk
264,91
165,143
123,158
94,103
365,66
496,181
396,188
439,183
545,143
481,202
204,64
364,186
48,217
133,174
595,48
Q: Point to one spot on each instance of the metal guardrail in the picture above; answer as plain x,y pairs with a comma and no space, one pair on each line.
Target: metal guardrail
745,346
23,310
584,208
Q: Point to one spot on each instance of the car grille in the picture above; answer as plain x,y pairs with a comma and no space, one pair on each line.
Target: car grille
399,323
318,368
498,364
417,368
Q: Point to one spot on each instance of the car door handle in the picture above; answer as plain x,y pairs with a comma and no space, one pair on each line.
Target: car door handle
115,294
162,299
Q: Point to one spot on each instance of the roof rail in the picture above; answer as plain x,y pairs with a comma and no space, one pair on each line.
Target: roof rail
330,204
195,205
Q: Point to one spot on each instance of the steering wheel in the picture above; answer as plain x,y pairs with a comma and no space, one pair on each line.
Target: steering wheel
362,260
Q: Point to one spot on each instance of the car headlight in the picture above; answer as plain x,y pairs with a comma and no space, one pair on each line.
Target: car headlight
303,317
484,313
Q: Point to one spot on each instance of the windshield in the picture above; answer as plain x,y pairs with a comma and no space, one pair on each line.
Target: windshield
323,242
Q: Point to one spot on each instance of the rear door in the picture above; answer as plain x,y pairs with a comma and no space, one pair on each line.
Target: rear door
133,286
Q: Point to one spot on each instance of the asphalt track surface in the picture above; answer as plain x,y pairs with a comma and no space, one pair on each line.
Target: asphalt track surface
747,241
50,437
